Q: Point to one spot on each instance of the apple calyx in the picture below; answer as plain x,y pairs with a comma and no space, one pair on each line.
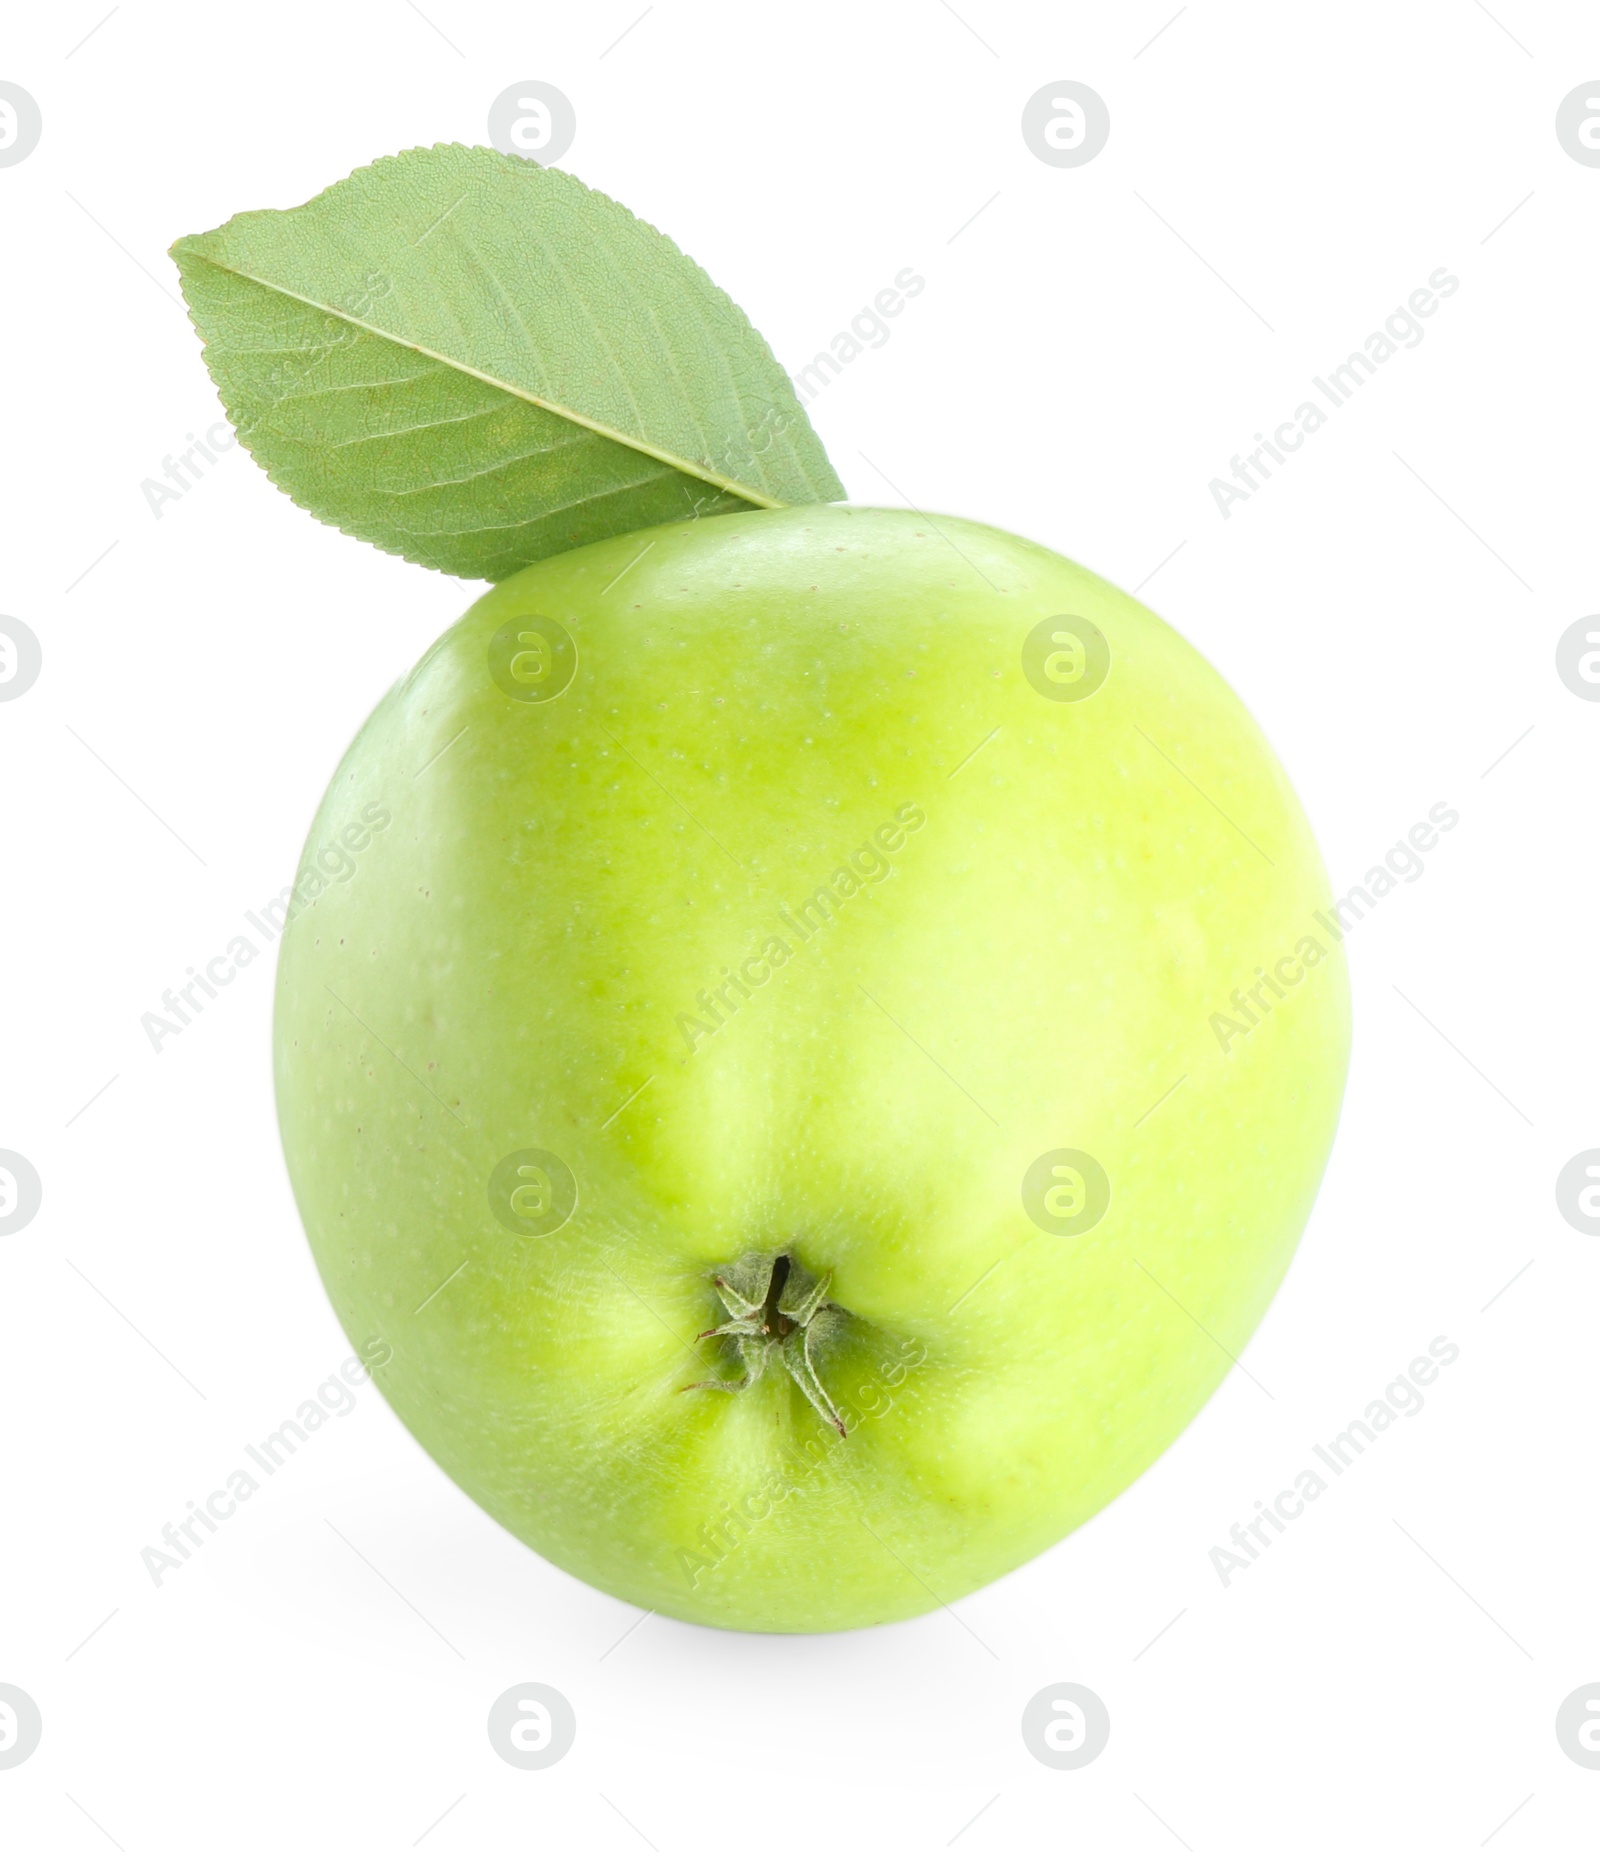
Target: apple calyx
776,1311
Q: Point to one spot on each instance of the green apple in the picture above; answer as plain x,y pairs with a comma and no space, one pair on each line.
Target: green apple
813,1050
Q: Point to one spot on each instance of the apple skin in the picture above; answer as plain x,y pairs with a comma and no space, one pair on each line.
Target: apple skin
515,963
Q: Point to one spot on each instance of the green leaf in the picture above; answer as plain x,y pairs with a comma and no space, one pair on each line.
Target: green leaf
476,362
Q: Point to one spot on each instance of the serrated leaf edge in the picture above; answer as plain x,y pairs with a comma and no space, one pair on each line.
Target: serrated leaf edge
730,485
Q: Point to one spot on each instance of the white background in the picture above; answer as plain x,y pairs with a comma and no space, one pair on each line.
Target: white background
1078,370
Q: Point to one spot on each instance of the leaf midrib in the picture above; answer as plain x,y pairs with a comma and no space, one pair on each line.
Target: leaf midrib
729,484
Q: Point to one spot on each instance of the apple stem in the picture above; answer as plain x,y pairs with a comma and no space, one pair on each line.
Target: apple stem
775,1310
